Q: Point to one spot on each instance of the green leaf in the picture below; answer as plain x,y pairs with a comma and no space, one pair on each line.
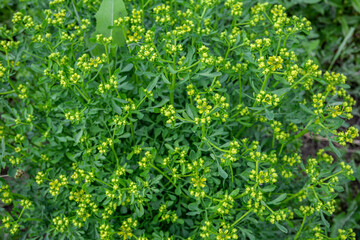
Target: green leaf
269,188
2,148
311,1
78,135
281,227
125,135
221,171
157,179
152,84
127,68
165,79
194,206
37,69
278,200
248,56
2,182
336,151
180,221
326,223
193,213
171,69
298,213
248,233
344,25
269,114
356,5
189,112
281,91
306,109
109,11
210,75
342,46
116,108
178,190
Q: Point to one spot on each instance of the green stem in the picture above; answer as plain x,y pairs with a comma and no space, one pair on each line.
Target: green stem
193,65
265,82
240,90
216,147
22,211
227,52
295,84
273,141
301,227
167,61
157,169
116,157
185,120
82,94
147,3
268,17
241,195
269,208
139,104
8,92
203,133
285,40
241,218
263,86
278,47
313,189
203,13
132,132
282,146
108,58
33,55
172,89
335,174
8,66
294,196
100,181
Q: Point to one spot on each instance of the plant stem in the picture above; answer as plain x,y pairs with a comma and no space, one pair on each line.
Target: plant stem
273,141
232,174
132,132
100,181
213,145
157,169
282,146
8,66
241,218
8,92
240,90
172,89
301,227
278,47
22,211
82,94
117,159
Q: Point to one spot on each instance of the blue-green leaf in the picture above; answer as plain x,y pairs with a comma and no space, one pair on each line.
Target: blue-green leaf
278,200
221,171
109,11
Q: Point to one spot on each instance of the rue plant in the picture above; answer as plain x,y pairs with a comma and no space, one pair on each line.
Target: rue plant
167,120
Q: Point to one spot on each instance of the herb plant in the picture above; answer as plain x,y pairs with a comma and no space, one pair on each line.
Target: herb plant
167,120
335,41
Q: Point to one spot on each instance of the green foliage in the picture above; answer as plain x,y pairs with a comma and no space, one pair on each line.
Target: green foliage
335,40
191,129
109,11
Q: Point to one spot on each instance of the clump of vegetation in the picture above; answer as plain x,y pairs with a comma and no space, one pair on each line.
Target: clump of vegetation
167,120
